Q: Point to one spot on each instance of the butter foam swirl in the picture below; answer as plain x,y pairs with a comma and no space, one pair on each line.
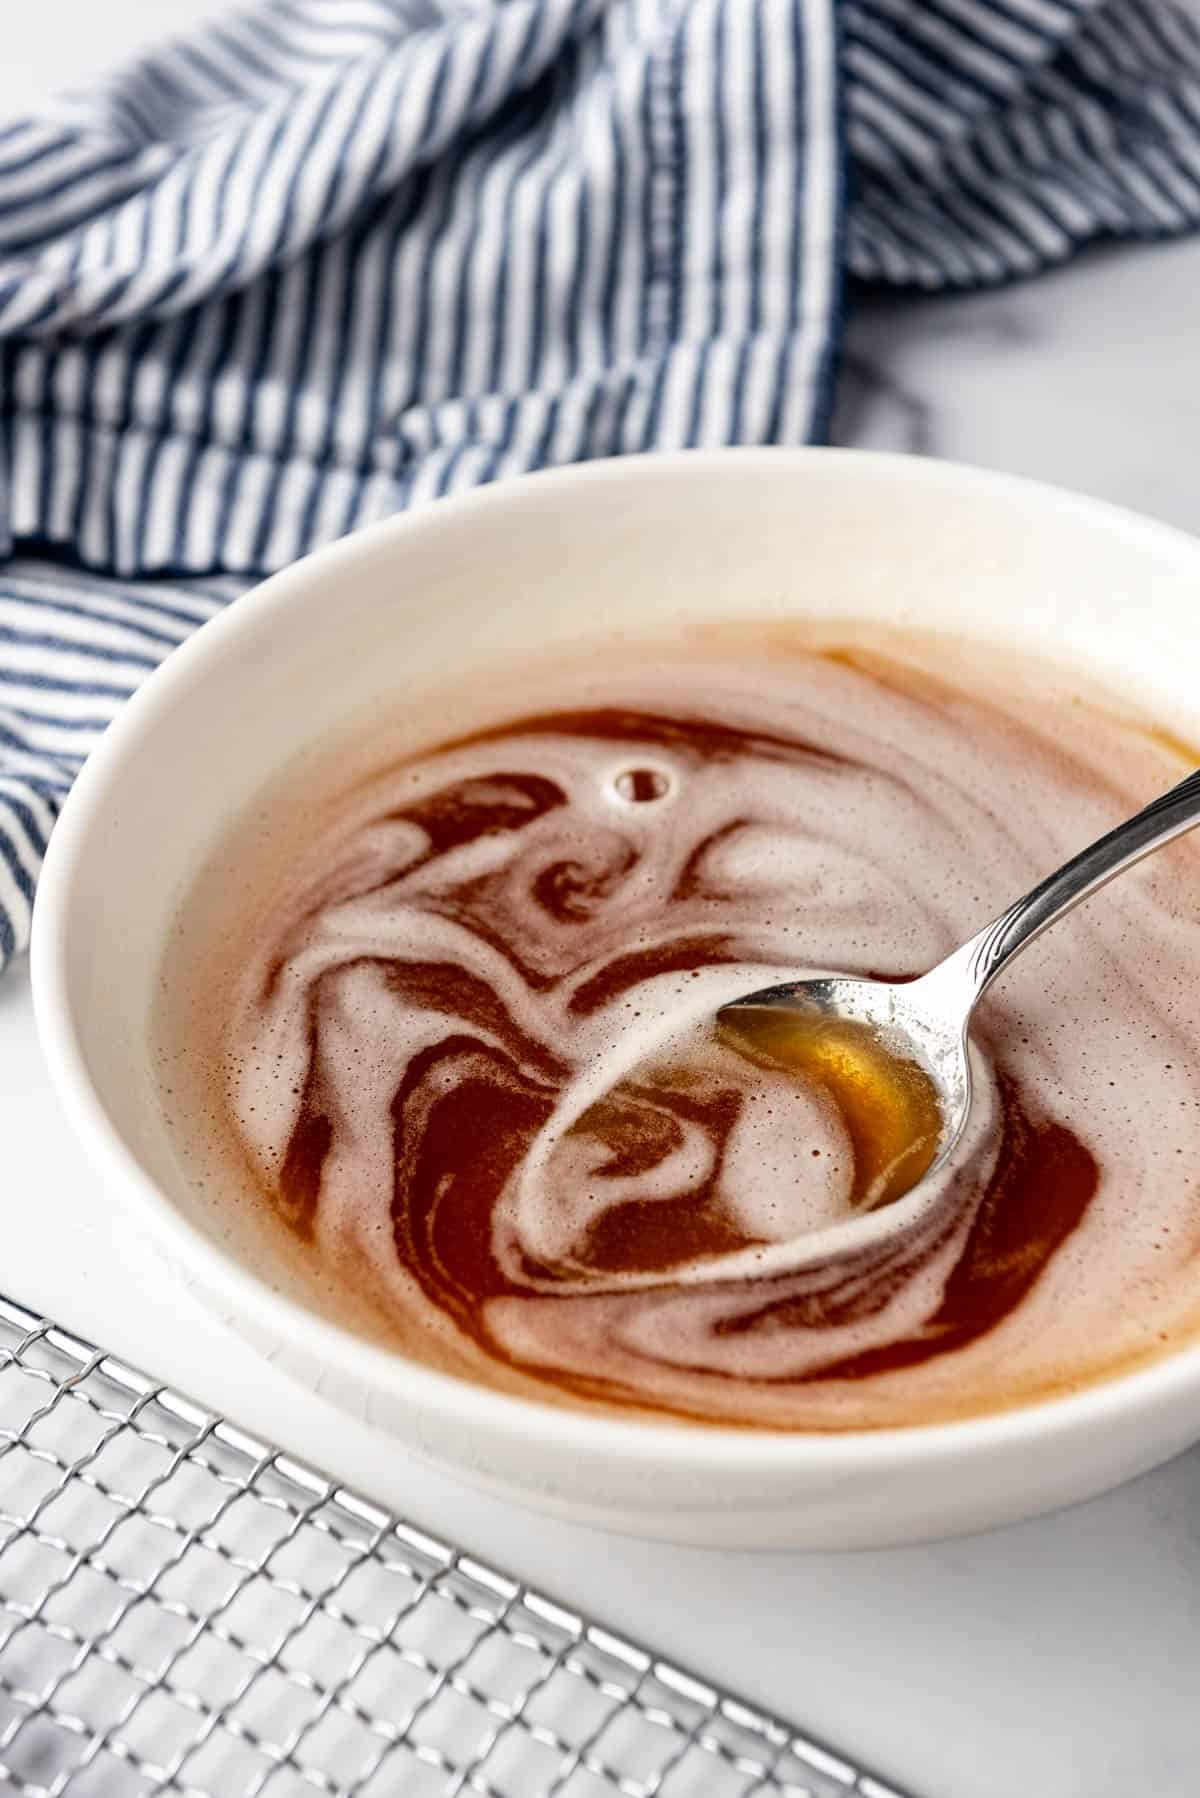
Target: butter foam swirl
456,1057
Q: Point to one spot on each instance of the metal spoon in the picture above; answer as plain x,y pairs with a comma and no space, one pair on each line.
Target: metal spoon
927,1020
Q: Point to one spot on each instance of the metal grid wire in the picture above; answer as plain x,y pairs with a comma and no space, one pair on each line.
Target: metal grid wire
185,1609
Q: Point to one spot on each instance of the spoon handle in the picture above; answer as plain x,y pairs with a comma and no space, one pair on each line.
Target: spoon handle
963,976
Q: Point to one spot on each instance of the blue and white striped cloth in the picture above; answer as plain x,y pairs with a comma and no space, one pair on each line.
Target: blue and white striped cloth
325,259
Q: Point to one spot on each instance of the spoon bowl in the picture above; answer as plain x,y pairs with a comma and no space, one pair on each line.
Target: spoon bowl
910,1022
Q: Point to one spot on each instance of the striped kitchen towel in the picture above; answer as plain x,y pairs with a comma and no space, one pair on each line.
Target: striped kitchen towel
324,259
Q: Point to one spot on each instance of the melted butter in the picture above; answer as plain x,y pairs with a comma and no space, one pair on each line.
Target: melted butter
368,1052
887,1102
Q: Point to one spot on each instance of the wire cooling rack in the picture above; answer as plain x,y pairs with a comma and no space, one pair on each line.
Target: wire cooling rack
185,1609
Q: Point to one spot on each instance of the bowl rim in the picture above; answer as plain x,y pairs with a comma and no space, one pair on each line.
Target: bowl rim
559,1427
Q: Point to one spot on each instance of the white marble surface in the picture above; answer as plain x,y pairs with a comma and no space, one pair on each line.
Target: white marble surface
1058,1659
1089,377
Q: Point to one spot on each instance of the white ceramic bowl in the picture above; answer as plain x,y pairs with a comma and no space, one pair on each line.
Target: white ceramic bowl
433,597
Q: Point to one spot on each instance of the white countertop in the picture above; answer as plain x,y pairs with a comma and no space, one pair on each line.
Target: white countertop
1058,1659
